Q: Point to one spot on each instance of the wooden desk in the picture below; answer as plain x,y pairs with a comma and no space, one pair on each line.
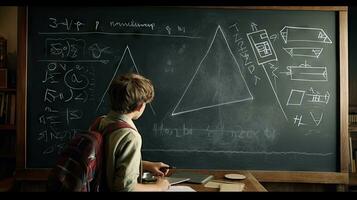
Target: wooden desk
251,183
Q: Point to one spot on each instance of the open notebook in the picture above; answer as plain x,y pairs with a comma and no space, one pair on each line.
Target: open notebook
176,180
181,188
148,178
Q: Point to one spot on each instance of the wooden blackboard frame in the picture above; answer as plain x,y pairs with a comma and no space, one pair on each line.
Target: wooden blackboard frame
339,177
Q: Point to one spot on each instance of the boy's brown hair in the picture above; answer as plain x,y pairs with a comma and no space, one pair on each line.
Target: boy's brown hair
128,91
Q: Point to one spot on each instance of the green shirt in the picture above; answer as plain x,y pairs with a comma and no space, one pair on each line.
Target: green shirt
123,153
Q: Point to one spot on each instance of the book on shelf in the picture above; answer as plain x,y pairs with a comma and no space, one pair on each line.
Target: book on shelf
352,119
3,108
352,167
7,108
12,110
2,103
3,77
3,51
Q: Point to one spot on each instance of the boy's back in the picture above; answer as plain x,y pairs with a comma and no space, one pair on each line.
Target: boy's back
79,166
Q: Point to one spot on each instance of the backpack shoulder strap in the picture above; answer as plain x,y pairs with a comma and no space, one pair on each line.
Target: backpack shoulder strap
117,125
95,125
109,129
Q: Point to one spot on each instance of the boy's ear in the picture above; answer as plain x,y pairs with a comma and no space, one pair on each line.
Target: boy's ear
138,107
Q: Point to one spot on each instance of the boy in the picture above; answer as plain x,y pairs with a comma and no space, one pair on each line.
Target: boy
129,95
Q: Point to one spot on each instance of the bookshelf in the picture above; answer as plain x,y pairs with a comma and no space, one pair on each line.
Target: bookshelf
7,116
6,127
352,129
7,132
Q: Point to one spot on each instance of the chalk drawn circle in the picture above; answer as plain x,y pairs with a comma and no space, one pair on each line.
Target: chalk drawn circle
235,176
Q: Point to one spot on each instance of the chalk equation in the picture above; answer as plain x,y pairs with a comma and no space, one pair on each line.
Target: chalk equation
63,85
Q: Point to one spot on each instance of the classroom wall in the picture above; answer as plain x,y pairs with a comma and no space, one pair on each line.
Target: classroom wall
352,48
8,29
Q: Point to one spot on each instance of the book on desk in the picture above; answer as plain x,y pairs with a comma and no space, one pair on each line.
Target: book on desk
193,177
176,180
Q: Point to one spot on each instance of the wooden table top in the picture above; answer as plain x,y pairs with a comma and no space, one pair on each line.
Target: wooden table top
251,183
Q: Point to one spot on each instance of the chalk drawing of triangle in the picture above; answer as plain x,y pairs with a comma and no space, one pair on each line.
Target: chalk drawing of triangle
284,35
324,36
217,80
289,51
125,65
317,52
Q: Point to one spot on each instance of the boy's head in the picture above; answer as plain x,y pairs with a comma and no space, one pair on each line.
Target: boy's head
129,93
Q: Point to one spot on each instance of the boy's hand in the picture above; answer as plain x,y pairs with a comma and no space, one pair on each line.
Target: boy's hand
156,168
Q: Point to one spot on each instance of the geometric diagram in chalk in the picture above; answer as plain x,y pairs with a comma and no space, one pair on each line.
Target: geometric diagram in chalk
262,47
317,120
304,51
216,81
316,97
295,98
125,65
304,72
304,34
264,53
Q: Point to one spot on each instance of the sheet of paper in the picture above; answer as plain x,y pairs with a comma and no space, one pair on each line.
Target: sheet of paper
236,187
212,184
217,183
180,188
225,186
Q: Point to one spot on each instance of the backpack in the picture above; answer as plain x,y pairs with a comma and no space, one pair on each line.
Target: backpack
79,166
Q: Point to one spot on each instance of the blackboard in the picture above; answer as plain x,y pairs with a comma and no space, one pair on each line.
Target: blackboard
235,88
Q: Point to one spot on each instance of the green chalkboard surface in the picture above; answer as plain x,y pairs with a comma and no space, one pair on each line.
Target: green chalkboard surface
235,89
